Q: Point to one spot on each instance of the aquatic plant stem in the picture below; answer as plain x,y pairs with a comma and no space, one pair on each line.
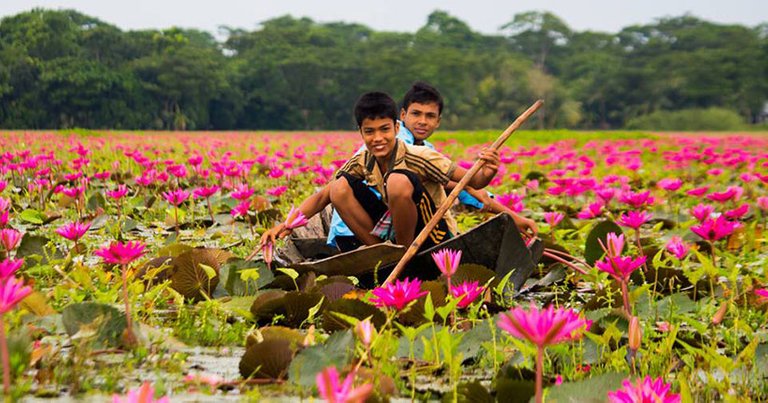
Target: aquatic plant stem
625,296
6,361
539,373
128,319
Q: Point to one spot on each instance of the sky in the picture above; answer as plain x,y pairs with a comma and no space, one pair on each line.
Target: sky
484,16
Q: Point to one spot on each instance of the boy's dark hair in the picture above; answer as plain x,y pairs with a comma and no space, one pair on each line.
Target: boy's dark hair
374,105
423,93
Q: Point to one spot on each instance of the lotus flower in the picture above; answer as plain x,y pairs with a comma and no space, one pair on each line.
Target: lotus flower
646,390
74,192
176,197
242,192
637,200
335,391
738,212
399,294
467,291
715,229
277,191
365,331
614,245
10,238
702,211
205,191
12,291
762,294
591,211
677,247
121,253
700,191
4,216
553,218
143,394
295,219
544,327
241,210
8,267
634,219
670,184
5,204
447,260
118,193
620,267
732,193
73,231
762,203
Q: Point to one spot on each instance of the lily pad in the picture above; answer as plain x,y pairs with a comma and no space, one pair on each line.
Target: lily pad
103,323
592,249
337,351
595,389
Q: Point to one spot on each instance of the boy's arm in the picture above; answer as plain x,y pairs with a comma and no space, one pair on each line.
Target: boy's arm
310,206
485,174
525,225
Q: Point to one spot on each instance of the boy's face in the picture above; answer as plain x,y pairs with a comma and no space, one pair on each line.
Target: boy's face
421,119
379,136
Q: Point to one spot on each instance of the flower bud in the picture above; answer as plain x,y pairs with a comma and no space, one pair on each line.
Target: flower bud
720,314
635,333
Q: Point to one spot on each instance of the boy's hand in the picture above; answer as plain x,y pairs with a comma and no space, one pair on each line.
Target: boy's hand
526,226
491,158
273,234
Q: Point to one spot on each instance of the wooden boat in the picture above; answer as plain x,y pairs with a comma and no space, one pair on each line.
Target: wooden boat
495,244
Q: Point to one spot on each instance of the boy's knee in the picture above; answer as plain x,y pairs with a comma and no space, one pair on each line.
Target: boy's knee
340,190
399,186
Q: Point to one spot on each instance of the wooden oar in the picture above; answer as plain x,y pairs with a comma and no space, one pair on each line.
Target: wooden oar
448,202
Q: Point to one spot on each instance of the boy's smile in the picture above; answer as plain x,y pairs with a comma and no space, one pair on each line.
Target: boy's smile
379,136
421,119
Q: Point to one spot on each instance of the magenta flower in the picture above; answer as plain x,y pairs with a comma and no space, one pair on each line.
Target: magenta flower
670,184
295,219
399,294
715,229
74,192
637,200
702,211
606,194
738,212
12,291
277,191
118,193
447,260
144,394
4,216
365,330
102,175
10,238
677,247
467,291
335,391
179,171
553,218
614,245
544,327
242,192
241,210
5,204
268,251
591,211
762,203
206,191
620,267
646,390
121,253
762,294
634,219
73,231
176,197
700,191
9,267
732,193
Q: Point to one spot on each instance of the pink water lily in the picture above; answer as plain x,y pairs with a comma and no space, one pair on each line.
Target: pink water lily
762,294
398,294
620,267
365,330
12,291
732,193
670,184
713,229
702,211
121,253
637,200
333,390
295,219
738,212
10,238
277,191
553,218
762,203
647,390
242,192
73,230
677,247
699,191
205,191
143,394
591,211
447,260
9,267
118,193
634,219
467,291
176,197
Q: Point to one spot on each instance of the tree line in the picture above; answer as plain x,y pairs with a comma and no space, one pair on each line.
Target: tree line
64,69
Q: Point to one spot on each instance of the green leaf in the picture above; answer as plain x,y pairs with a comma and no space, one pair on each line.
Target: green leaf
592,249
33,216
102,324
429,308
249,274
337,351
209,271
313,311
594,389
293,274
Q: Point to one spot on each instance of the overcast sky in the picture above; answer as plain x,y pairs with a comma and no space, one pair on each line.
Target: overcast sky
396,15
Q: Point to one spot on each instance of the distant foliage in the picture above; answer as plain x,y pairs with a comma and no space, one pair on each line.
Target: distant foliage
689,120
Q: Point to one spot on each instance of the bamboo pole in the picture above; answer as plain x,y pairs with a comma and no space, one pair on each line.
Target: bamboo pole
448,202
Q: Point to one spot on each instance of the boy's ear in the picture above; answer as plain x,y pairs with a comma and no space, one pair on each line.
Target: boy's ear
402,113
397,127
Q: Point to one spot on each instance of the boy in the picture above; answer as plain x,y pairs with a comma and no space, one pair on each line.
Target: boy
409,178
420,115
